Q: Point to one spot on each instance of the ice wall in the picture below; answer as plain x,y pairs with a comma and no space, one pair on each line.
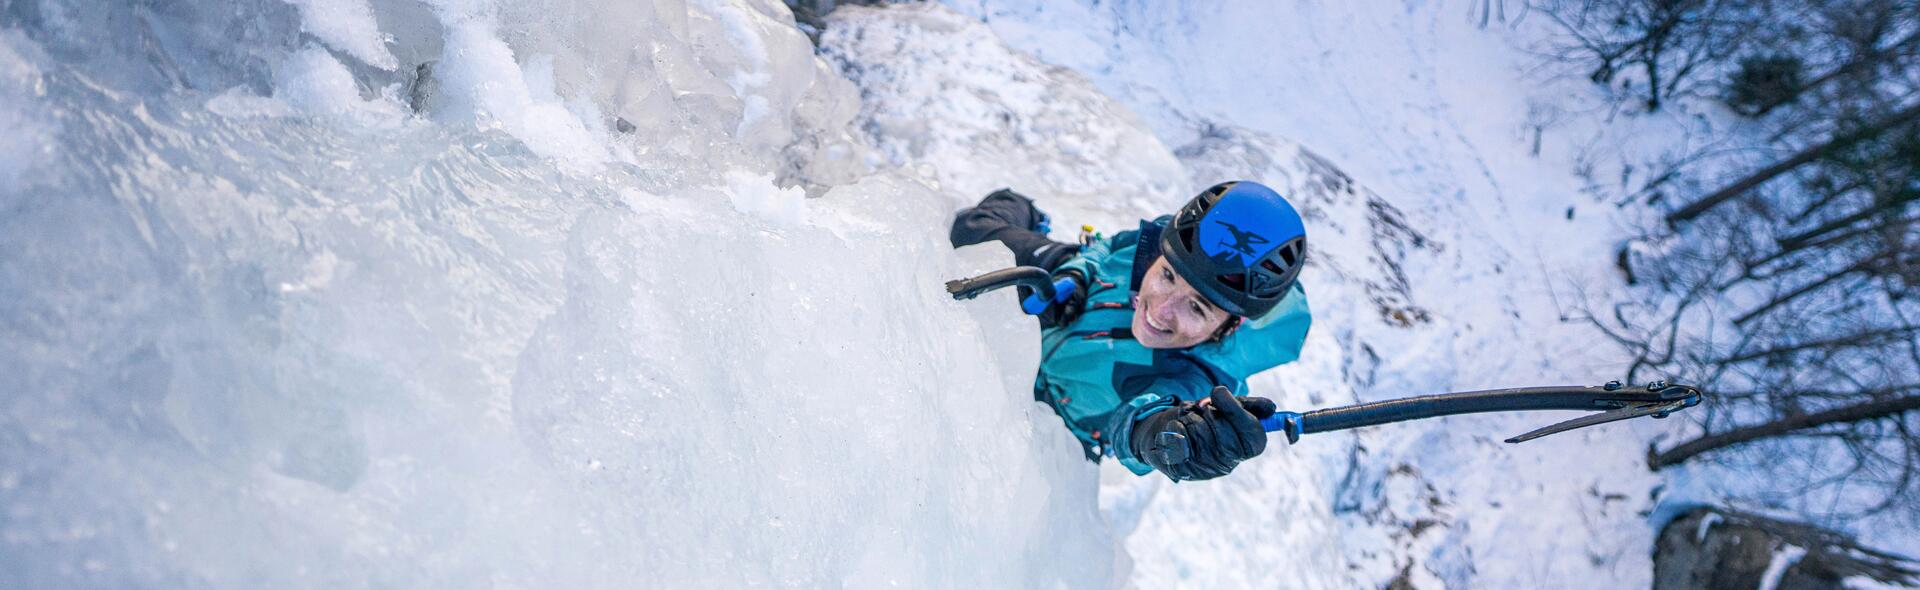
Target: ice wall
265,324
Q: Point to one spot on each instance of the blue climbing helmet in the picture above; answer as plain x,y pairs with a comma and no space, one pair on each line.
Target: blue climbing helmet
1240,244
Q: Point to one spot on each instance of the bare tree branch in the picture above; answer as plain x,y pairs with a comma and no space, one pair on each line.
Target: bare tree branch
1862,133
1856,413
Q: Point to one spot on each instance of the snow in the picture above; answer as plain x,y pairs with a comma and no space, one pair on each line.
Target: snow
483,84
948,99
1706,525
1783,557
1867,583
280,332
312,81
756,194
349,26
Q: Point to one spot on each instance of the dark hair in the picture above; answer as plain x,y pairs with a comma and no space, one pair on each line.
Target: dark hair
1226,327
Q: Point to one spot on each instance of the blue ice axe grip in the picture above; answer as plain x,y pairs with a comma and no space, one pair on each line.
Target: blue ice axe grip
1287,422
1062,289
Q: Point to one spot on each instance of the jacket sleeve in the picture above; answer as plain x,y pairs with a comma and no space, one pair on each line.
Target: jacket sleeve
1091,255
1158,395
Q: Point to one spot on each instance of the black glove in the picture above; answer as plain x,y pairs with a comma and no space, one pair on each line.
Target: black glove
1195,441
1064,312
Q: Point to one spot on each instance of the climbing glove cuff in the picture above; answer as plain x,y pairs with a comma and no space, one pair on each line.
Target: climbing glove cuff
1196,441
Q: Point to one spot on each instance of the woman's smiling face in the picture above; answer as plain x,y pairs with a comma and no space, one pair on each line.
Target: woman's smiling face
1169,313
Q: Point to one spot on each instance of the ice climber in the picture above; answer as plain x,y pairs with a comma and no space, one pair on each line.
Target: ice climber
1147,359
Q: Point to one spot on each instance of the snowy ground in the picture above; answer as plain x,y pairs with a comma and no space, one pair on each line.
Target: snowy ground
578,323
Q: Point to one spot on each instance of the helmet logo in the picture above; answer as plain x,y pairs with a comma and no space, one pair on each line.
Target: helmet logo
1243,244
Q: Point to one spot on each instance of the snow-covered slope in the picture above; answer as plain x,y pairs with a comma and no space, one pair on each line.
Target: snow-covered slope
1452,276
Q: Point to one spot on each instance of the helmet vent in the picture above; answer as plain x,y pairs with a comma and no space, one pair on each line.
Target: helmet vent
1186,237
1235,280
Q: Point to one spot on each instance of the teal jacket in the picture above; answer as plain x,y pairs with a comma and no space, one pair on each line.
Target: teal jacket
1100,380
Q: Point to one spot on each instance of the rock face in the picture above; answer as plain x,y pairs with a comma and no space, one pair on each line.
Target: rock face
1718,549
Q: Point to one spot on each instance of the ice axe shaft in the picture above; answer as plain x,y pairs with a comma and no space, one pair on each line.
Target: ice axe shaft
1613,401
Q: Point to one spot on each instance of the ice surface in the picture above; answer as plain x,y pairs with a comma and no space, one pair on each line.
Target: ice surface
252,346
24,140
347,25
311,80
756,194
483,83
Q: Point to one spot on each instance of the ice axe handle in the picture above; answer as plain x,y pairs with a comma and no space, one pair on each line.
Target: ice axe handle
1062,290
1047,291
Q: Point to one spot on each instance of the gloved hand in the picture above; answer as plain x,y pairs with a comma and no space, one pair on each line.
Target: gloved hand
1205,440
1062,313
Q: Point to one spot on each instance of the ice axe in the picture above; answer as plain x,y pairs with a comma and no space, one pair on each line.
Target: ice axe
1611,402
